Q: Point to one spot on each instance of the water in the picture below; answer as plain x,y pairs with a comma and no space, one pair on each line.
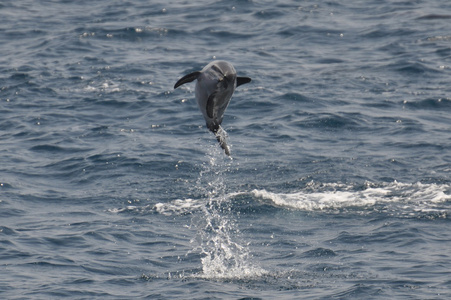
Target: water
339,183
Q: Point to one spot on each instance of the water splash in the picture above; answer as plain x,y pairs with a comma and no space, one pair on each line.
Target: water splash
217,233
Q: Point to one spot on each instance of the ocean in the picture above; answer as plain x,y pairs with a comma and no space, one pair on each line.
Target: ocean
339,180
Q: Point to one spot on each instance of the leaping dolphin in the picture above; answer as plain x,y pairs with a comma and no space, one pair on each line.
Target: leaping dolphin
214,88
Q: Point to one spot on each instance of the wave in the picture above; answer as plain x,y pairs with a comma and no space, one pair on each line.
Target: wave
396,198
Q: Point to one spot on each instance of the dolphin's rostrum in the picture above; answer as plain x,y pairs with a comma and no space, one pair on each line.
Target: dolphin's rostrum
214,88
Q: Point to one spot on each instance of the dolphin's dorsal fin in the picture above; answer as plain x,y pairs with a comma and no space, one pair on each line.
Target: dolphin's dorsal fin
242,80
187,78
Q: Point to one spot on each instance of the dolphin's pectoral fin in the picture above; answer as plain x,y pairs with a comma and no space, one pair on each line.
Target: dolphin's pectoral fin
242,80
187,78
211,104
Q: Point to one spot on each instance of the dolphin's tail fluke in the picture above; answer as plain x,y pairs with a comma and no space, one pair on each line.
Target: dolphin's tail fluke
221,136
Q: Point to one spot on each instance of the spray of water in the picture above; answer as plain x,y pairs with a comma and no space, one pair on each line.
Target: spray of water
223,255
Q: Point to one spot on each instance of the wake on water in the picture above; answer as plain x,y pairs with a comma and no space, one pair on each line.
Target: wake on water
395,198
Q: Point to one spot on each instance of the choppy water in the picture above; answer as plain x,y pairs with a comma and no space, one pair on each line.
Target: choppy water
112,187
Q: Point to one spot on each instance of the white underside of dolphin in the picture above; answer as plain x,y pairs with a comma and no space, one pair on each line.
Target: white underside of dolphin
215,85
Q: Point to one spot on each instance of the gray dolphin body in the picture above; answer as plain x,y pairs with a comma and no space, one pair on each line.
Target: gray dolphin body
214,89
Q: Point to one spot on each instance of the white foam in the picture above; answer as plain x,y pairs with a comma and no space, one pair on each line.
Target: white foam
331,196
178,207
417,196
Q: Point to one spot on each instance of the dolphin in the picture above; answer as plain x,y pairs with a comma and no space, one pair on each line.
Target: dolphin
215,85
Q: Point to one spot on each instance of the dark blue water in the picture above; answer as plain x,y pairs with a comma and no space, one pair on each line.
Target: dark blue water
112,187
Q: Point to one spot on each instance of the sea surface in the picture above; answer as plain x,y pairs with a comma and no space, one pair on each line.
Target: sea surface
339,182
